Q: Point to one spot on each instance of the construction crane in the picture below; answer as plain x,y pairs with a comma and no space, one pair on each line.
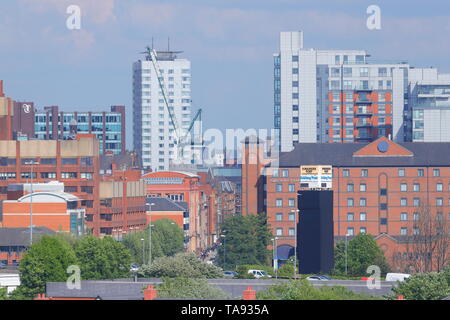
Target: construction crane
181,135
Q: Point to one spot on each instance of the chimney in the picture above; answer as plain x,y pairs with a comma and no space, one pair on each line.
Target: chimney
1,89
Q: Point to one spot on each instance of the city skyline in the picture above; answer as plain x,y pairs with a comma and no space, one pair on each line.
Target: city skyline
87,67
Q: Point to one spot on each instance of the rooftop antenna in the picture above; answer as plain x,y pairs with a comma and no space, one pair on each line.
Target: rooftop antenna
168,44
152,43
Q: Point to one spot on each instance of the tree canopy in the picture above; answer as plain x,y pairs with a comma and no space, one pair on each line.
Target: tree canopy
423,286
245,242
167,240
362,252
103,258
46,261
185,288
185,265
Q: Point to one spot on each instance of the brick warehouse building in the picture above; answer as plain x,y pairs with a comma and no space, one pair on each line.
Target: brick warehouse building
379,188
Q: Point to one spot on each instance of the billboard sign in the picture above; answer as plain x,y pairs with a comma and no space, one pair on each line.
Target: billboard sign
316,177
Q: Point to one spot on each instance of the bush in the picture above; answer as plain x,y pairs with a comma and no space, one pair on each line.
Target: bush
184,288
243,271
425,286
185,265
303,290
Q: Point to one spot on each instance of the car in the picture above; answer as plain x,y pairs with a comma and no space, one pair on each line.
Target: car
259,274
229,274
134,268
397,276
2,265
321,278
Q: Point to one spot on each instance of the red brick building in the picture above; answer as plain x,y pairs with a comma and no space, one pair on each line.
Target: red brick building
380,188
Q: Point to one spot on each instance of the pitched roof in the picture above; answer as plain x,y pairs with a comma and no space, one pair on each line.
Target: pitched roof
21,236
165,204
348,155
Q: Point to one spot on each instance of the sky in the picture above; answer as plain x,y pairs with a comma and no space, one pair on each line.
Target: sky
230,44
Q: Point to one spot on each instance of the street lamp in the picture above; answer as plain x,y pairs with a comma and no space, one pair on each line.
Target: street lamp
346,256
143,251
275,256
224,249
296,212
150,232
31,163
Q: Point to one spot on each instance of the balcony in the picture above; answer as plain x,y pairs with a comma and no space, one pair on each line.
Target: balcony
363,124
363,113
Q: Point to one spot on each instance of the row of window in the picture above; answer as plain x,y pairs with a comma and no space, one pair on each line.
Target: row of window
403,187
404,216
401,172
439,202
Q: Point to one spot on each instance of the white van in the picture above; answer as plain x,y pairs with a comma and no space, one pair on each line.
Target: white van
397,276
259,273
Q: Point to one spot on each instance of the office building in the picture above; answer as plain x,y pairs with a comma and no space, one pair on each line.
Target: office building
155,132
51,124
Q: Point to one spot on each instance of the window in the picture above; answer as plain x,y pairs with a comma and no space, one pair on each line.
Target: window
362,216
48,175
362,230
350,187
291,188
350,231
364,172
294,70
383,206
403,231
350,216
350,202
68,161
416,187
403,202
285,173
439,202
404,216
275,173
279,188
420,172
403,187
383,221
383,192
86,175
416,216
294,58
279,231
401,172
291,216
362,202
416,202
436,173
279,202
68,175
362,187
292,231
346,173
291,202
279,217
439,187
416,231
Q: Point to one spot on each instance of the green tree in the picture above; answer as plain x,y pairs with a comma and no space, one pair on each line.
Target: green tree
423,286
102,258
185,265
46,261
167,240
303,290
245,242
362,252
187,288
3,294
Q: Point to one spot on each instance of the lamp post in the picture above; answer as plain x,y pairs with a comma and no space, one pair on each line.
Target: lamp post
150,233
31,163
346,256
143,251
275,254
296,212
224,249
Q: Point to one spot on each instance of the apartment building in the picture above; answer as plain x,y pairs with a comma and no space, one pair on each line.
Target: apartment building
154,135
430,105
335,95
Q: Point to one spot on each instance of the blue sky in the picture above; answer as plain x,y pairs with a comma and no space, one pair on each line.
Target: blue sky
229,42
